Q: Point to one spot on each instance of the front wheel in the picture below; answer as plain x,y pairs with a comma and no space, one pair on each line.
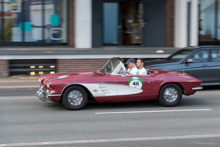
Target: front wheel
170,95
75,98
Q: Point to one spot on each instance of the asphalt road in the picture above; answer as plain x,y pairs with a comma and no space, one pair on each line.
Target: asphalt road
27,121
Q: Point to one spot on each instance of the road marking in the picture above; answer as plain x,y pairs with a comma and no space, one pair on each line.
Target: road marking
18,97
112,140
129,112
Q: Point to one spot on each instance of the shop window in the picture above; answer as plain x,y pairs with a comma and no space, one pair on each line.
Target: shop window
110,15
209,21
41,21
123,23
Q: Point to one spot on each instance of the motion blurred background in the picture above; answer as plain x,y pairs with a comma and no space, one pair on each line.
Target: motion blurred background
48,36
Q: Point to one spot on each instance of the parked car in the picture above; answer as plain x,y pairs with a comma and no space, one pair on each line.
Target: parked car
202,63
112,84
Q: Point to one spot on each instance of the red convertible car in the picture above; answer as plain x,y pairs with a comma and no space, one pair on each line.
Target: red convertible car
112,84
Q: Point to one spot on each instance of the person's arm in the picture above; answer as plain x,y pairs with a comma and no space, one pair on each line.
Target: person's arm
140,72
129,72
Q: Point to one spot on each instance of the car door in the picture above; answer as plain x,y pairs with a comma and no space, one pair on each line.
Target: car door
214,67
134,87
198,67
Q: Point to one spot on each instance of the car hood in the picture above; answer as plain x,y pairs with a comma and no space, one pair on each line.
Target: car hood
158,62
59,76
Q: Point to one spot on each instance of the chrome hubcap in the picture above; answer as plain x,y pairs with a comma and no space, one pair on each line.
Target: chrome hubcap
75,98
170,94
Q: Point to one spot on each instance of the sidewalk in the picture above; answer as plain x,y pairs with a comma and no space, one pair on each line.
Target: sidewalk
19,82
82,51
8,53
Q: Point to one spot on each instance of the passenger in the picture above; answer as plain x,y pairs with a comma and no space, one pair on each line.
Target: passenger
132,67
140,65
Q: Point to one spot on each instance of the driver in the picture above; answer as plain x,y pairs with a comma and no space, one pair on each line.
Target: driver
132,67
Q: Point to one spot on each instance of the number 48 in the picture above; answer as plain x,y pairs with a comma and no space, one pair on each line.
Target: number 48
136,83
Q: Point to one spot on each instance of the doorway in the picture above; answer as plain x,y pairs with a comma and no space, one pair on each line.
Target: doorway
123,23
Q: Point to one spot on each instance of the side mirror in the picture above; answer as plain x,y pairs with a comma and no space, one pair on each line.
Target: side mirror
189,61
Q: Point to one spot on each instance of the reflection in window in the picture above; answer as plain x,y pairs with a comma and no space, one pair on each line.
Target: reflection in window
179,55
12,18
35,21
200,56
115,64
32,25
215,55
209,25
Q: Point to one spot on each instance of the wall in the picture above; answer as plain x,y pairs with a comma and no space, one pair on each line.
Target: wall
83,23
169,30
97,23
155,23
181,22
194,29
71,24
79,65
4,73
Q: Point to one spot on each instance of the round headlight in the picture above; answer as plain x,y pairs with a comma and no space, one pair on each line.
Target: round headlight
48,84
39,79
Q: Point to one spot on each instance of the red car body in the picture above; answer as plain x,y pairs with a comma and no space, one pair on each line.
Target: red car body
113,85
151,84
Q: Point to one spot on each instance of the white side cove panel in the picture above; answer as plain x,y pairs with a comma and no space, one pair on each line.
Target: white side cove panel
126,90
83,23
99,90
94,89
109,89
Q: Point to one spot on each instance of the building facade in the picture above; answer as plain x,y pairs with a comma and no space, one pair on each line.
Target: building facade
94,24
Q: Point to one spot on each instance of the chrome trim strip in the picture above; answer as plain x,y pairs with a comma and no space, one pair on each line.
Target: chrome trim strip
197,88
209,84
52,95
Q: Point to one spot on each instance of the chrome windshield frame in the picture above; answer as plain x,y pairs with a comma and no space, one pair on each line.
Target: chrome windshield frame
112,68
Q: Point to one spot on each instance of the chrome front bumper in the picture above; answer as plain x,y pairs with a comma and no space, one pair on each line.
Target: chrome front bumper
44,94
197,88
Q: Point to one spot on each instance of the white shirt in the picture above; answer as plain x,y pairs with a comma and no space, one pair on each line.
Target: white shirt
133,71
142,71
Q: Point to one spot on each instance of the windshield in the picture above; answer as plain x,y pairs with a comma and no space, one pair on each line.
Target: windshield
114,66
179,55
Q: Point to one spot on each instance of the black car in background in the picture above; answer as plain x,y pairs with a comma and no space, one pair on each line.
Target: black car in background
201,62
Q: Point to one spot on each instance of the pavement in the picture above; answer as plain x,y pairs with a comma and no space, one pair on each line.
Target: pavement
19,82
70,52
27,121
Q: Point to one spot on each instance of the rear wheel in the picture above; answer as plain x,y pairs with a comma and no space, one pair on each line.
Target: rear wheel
75,97
170,95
